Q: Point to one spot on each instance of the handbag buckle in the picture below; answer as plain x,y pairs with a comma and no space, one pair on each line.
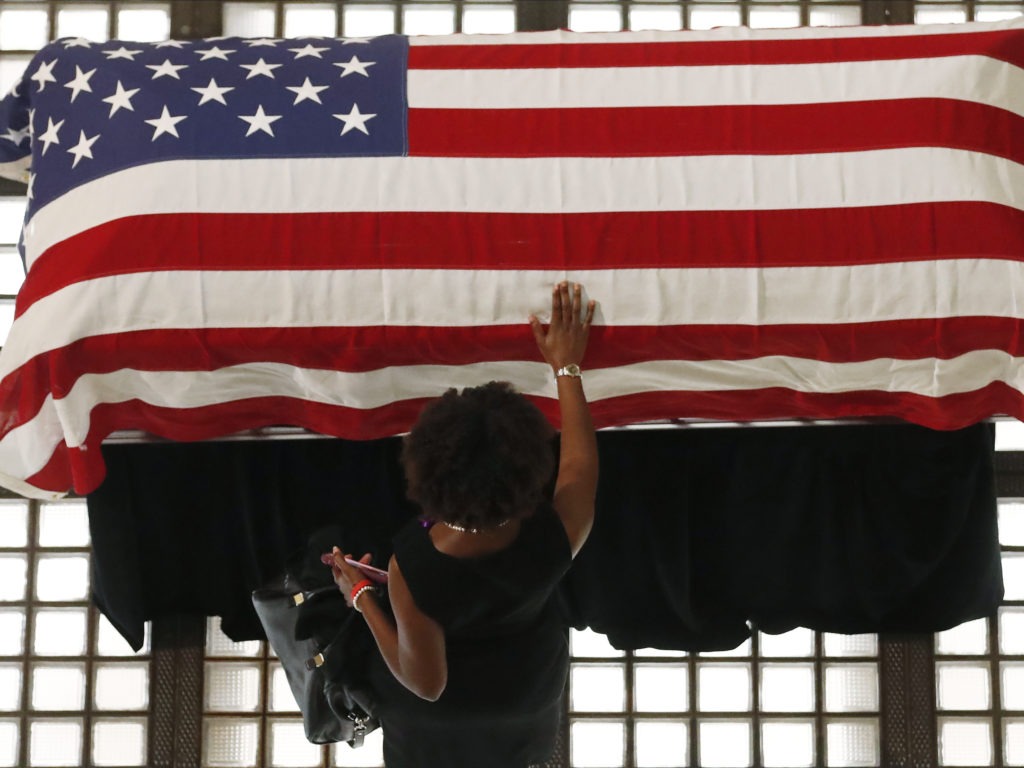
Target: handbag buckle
358,730
298,598
315,662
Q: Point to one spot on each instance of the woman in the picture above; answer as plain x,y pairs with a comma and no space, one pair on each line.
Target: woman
473,661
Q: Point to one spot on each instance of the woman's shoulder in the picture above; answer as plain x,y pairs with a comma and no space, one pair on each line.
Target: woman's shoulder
412,542
549,533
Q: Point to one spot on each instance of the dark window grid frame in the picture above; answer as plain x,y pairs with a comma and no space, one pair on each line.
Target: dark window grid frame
30,605
804,6
755,716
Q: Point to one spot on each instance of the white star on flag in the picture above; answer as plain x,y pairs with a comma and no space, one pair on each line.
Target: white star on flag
354,120
308,50
44,74
213,53
260,121
77,42
171,44
213,92
122,53
307,91
80,83
261,41
16,137
121,99
166,69
83,148
355,41
355,65
165,124
50,136
260,68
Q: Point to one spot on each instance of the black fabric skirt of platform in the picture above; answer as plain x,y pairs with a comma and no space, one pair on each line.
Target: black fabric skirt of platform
843,529
851,529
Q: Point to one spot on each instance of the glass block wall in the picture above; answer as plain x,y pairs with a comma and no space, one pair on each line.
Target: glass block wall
361,19
27,26
250,717
597,16
957,11
797,699
800,699
72,692
12,271
979,666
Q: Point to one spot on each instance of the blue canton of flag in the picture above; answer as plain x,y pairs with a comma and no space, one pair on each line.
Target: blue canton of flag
215,98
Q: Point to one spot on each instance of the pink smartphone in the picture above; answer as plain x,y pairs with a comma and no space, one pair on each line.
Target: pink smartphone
374,574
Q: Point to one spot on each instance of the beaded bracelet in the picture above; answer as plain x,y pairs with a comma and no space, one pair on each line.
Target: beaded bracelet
356,594
357,586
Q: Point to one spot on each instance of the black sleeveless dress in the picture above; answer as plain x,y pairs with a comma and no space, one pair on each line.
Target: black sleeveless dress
506,646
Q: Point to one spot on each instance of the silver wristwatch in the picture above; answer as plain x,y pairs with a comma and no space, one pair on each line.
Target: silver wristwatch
569,370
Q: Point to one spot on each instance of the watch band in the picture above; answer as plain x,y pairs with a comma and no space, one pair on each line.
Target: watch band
569,370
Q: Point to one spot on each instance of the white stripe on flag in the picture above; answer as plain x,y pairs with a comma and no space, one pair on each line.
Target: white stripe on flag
927,377
965,78
543,185
466,298
28,447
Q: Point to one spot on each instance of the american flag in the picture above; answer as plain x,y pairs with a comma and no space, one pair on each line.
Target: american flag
229,233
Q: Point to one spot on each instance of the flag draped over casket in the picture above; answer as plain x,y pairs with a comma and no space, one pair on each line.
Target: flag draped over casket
230,233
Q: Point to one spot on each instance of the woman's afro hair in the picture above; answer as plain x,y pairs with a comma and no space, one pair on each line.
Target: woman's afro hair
479,457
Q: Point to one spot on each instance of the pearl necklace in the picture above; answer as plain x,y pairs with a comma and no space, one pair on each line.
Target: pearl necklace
462,529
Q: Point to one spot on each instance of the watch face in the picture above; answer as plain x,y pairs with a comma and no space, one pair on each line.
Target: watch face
572,370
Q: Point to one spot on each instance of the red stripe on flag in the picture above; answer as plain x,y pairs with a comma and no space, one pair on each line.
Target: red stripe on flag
777,238
87,469
372,348
720,130
1004,45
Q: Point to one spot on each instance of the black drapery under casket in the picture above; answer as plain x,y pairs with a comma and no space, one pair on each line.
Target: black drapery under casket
699,534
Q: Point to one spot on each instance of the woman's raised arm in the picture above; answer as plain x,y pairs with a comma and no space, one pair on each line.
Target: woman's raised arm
563,344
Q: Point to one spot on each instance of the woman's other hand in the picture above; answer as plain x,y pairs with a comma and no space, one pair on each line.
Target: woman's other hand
565,340
345,575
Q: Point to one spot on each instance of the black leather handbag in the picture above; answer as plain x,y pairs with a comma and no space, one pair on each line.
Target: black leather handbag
323,646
